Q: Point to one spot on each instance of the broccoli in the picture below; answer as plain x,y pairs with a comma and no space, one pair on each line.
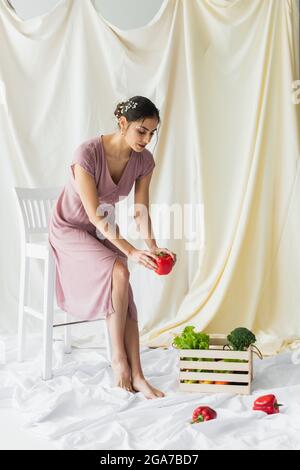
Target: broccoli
240,339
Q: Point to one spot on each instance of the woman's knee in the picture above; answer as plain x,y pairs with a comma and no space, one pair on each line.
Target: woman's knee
120,272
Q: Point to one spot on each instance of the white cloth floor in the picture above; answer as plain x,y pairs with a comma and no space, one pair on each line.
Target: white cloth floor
81,409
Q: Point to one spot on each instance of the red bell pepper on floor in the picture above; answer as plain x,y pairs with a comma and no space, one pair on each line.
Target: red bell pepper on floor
203,413
164,263
267,403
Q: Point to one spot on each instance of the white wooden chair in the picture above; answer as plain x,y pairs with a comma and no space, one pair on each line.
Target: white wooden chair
35,206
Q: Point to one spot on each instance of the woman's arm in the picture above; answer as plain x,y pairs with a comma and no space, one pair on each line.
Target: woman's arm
90,200
141,210
142,217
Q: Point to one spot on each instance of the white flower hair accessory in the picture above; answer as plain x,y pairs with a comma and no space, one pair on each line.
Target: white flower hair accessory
127,105
124,106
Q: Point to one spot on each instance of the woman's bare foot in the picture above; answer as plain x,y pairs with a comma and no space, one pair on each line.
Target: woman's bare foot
140,384
122,373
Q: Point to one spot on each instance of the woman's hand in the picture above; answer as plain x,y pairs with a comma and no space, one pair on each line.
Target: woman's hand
156,250
144,258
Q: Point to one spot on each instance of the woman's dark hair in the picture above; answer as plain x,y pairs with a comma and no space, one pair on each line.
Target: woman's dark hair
137,108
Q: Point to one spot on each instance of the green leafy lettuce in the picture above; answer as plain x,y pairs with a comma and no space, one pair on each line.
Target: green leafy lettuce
190,339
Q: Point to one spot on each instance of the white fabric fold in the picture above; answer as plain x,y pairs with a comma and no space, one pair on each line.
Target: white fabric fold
79,408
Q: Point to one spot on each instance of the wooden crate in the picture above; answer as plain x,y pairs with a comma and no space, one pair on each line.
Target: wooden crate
239,375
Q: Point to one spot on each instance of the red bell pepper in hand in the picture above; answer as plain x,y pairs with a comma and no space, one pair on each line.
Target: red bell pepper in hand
203,413
164,263
267,403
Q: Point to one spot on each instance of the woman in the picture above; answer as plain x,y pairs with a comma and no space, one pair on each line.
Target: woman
92,277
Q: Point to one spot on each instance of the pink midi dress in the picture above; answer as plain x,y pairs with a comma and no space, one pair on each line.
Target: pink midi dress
84,262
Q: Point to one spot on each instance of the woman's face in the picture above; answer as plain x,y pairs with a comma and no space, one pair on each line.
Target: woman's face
140,133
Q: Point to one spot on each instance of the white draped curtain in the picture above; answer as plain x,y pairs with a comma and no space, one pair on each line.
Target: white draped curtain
221,72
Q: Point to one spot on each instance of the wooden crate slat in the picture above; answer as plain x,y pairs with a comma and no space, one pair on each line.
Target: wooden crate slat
215,340
214,377
214,354
215,365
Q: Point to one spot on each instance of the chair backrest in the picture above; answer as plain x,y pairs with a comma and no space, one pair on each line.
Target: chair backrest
36,206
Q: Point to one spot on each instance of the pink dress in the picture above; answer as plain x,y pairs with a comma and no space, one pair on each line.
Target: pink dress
84,262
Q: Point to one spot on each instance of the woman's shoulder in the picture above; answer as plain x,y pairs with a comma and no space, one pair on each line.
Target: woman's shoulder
85,153
146,155
147,163
89,144
89,149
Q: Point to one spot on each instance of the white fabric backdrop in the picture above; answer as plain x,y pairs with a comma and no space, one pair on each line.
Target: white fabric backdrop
221,74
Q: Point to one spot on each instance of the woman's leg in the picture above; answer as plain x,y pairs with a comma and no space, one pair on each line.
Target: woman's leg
116,325
125,338
132,345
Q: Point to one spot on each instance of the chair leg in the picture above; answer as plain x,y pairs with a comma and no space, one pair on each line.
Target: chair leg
23,300
49,275
108,341
68,335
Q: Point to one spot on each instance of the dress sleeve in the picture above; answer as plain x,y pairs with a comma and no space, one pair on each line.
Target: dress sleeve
85,157
148,163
